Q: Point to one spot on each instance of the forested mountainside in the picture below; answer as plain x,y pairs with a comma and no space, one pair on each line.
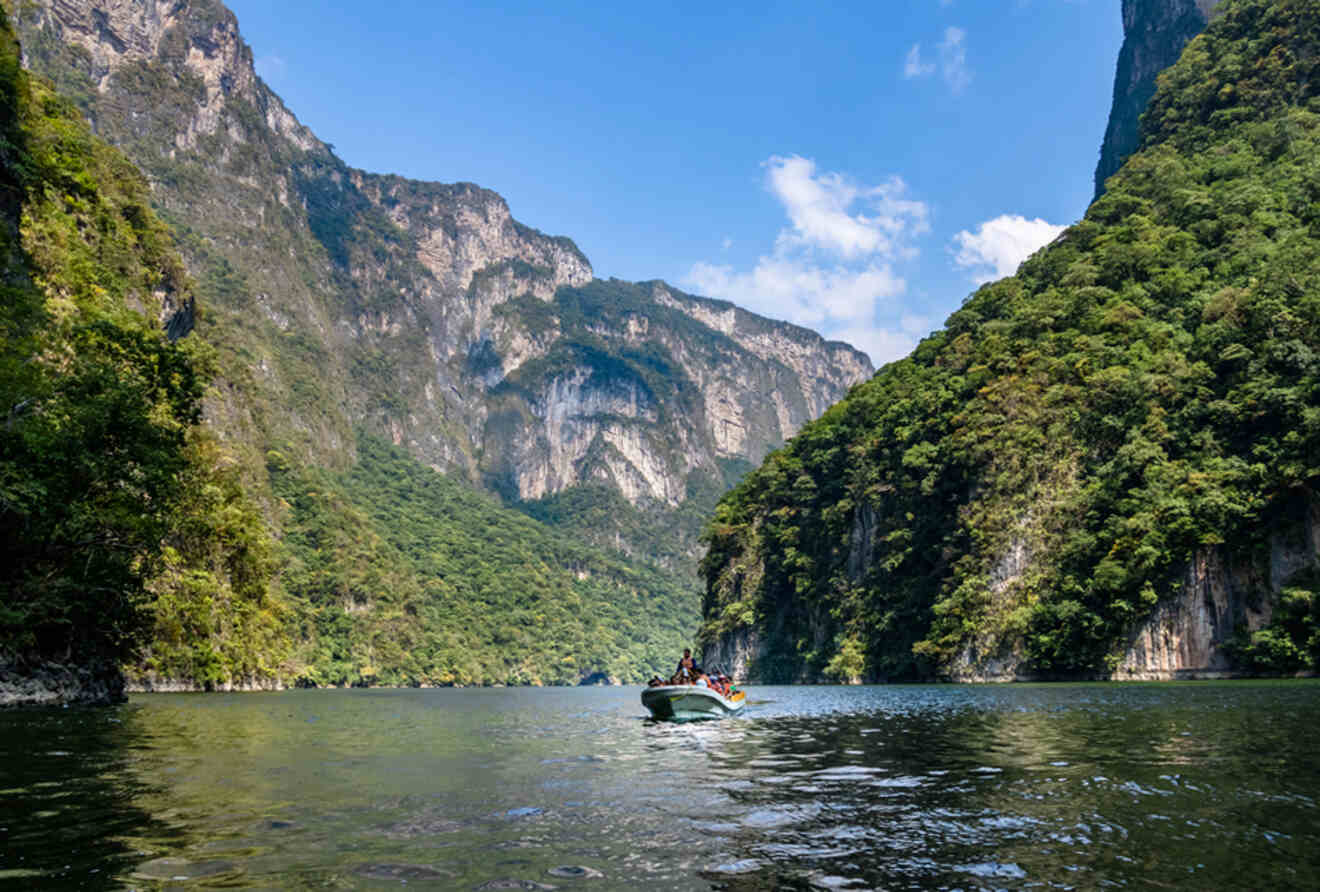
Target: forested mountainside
107,483
1154,34
586,427
1105,464
128,533
344,301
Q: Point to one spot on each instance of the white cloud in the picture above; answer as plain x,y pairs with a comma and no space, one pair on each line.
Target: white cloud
800,290
953,59
270,67
913,66
820,207
999,246
831,267
952,65
885,344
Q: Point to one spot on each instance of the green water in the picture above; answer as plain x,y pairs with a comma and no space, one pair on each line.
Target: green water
1193,785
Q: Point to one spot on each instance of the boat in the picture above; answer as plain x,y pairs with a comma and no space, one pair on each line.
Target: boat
688,701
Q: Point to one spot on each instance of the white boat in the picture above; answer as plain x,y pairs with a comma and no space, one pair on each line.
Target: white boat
690,701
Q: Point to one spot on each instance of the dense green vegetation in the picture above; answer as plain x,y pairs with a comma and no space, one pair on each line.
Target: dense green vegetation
277,558
1039,474
337,303
217,614
400,575
99,442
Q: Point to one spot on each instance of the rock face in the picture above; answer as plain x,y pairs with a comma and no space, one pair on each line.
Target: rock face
1154,34
736,654
57,684
1184,636
152,684
424,312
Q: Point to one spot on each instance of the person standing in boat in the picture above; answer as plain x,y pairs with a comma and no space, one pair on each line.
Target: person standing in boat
687,667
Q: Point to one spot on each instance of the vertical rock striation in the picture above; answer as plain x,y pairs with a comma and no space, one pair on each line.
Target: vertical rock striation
1154,34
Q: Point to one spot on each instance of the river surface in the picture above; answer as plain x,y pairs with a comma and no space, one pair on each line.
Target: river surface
1193,785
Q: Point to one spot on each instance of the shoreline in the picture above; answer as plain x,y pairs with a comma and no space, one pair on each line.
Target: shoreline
54,685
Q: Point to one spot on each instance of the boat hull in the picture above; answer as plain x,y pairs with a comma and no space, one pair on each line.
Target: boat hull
684,702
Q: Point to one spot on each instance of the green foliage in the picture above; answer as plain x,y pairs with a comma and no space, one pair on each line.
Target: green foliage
1291,641
1041,471
215,618
126,533
401,575
97,403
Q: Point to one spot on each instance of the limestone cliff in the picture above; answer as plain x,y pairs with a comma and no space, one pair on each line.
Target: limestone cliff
1154,34
425,312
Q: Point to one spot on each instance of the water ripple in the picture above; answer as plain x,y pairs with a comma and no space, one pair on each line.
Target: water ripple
1067,786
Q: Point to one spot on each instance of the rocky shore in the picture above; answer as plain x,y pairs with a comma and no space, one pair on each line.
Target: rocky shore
58,684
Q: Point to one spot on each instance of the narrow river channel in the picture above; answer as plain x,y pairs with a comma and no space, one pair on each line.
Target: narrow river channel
1194,785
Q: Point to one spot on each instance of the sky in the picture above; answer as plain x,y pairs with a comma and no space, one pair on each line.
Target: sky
856,168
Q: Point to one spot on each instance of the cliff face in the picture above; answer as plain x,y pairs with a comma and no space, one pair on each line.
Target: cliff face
422,312
1191,634
1103,466
1154,34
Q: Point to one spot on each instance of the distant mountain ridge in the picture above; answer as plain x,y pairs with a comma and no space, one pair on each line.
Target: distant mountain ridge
345,305
409,292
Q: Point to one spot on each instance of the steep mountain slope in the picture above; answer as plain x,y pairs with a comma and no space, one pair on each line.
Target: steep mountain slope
1154,34
342,310
101,392
421,312
1103,465
127,534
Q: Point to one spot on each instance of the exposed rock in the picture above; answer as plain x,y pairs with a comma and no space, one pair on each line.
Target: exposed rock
1154,34
56,684
1186,633
412,295
153,684
736,654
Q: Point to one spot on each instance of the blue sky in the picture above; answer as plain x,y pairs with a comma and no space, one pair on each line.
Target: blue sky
857,169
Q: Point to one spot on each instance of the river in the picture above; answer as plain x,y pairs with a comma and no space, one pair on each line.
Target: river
1193,785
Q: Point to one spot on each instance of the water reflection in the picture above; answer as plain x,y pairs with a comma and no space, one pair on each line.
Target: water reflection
1075,786
69,799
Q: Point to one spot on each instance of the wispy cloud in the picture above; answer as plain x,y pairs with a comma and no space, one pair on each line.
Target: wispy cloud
953,59
270,67
913,66
999,246
950,61
831,267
